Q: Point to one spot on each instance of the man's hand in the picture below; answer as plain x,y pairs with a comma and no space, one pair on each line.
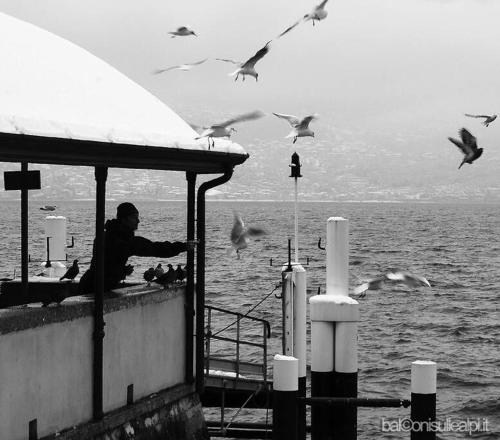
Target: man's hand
191,244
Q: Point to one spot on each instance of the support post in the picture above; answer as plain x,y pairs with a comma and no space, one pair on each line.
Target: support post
101,174
24,235
294,281
191,196
334,316
285,393
200,276
423,400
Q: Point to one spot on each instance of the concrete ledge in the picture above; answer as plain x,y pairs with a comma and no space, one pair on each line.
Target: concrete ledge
172,413
334,308
17,318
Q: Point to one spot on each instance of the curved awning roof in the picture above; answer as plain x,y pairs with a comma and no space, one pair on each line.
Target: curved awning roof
61,104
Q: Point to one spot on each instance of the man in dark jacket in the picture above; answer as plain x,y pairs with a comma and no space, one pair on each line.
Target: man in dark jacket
120,243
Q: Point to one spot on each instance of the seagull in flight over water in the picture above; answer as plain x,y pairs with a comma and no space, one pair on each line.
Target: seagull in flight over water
223,129
406,278
468,146
182,31
248,67
317,14
241,234
488,119
185,67
300,127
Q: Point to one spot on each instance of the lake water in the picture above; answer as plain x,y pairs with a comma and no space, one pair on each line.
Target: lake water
456,323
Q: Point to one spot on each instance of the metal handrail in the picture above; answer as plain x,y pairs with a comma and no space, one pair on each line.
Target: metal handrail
241,315
238,341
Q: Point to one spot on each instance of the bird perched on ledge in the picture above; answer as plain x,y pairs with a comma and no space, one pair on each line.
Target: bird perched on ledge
168,277
181,273
149,275
223,129
72,272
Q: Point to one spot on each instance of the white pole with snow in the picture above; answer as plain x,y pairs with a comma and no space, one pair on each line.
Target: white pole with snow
423,400
334,328
285,394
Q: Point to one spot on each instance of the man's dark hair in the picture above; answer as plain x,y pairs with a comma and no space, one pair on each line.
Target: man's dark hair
125,209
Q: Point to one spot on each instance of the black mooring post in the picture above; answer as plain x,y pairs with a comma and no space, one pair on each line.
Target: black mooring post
101,174
191,196
24,235
345,418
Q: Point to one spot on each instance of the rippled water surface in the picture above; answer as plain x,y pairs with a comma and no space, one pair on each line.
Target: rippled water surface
455,323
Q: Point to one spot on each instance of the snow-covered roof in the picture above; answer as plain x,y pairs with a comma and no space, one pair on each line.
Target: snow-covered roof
50,87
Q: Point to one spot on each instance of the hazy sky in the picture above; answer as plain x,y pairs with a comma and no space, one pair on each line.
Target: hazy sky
397,64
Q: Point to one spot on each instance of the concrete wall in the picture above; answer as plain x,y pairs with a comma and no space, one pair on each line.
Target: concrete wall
46,357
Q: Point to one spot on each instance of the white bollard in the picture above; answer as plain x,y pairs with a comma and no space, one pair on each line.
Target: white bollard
55,229
337,256
423,400
285,393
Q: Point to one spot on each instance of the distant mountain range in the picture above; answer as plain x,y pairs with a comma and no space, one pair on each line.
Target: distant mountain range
338,164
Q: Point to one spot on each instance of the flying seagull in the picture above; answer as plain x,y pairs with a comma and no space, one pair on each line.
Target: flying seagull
182,31
300,128
185,67
406,278
248,67
224,130
488,119
468,146
317,14
72,272
241,234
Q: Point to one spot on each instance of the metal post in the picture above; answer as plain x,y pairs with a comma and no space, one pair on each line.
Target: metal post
285,398
24,236
296,228
191,196
423,400
101,174
295,173
200,275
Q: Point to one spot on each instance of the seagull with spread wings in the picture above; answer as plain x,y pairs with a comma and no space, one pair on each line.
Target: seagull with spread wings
300,127
488,119
248,67
468,146
399,277
185,67
241,234
224,129
317,14
182,31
